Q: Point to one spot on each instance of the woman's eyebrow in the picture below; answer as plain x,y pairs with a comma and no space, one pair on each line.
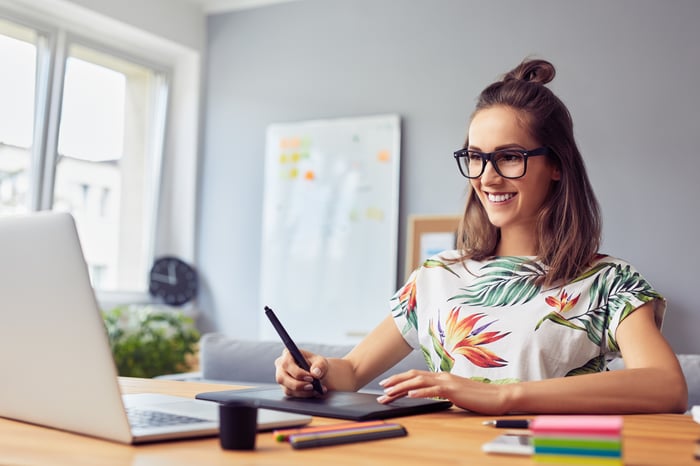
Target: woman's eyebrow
501,147
510,146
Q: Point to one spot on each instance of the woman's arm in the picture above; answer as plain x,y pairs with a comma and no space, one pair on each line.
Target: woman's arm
651,382
376,353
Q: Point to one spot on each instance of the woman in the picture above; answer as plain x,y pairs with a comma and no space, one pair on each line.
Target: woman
523,316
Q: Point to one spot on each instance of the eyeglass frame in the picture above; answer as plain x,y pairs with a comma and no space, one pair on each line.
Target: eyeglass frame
489,157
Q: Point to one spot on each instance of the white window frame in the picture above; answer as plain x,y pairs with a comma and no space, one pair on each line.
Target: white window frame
63,24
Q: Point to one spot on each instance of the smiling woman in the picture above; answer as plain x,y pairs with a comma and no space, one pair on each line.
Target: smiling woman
524,314
512,203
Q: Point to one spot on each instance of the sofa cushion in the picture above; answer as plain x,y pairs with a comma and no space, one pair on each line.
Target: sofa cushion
690,363
251,361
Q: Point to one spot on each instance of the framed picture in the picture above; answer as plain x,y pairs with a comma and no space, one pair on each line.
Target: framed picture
428,235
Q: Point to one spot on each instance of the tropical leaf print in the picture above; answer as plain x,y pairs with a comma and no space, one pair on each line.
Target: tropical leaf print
462,337
407,305
615,287
592,320
562,304
594,365
428,358
505,281
626,285
431,263
446,360
591,272
494,381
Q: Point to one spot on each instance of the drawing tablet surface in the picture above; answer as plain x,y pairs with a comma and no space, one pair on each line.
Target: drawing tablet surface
354,406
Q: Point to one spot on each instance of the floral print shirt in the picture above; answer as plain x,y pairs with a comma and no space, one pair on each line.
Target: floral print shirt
490,320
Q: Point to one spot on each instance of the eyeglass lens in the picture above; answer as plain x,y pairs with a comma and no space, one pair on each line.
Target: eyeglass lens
509,164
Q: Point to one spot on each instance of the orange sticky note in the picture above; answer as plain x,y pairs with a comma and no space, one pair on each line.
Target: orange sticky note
384,156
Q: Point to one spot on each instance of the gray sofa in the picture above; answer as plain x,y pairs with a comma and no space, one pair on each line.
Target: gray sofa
247,362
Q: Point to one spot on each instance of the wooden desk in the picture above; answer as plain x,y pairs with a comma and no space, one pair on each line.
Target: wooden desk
453,437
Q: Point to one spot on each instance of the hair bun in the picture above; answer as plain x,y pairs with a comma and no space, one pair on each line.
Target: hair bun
534,71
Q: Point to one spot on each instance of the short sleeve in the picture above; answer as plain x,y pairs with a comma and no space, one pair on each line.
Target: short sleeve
628,292
404,309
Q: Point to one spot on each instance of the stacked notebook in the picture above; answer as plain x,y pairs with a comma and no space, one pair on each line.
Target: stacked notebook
591,440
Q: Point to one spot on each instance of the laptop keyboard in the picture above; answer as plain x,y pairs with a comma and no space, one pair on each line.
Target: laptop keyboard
143,418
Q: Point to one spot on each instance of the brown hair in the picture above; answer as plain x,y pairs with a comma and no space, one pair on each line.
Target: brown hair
568,224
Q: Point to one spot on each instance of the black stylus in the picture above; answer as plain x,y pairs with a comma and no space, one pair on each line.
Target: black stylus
292,347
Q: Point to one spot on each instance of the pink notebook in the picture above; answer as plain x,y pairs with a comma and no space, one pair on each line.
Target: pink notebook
599,425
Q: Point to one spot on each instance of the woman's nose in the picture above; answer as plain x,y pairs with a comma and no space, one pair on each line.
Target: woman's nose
490,174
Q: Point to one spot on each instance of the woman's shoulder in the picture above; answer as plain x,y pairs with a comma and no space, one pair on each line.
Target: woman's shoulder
610,266
606,259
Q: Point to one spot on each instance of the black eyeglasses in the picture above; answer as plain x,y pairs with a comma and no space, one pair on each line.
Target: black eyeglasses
509,163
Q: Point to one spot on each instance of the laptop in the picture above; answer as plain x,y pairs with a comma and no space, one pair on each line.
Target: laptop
355,406
55,356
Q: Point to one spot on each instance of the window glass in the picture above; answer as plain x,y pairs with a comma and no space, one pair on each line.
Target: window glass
17,84
107,164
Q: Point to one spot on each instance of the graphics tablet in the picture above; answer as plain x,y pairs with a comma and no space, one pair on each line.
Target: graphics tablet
355,406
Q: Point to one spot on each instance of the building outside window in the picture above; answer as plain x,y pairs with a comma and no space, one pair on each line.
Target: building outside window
81,130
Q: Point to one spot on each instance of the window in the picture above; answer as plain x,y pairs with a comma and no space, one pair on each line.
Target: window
18,53
82,130
107,135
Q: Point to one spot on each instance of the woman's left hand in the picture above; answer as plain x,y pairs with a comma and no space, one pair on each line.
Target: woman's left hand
468,394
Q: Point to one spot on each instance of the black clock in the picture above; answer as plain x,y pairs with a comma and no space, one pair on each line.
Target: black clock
172,280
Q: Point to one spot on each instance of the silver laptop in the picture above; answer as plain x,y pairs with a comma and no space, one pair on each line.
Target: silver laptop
55,358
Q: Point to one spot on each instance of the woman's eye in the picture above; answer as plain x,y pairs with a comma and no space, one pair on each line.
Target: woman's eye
509,157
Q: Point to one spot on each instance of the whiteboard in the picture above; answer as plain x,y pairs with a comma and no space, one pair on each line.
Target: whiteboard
330,226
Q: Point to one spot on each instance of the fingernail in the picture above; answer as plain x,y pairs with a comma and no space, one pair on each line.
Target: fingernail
316,371
382,382
382,398
308,387
308,379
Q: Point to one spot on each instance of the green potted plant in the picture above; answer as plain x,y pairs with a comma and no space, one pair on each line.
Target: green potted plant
148,341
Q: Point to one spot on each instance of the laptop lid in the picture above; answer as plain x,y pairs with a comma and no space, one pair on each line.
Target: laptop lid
357,406
57,364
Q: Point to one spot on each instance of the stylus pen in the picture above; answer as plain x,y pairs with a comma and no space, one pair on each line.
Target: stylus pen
292,347
508,423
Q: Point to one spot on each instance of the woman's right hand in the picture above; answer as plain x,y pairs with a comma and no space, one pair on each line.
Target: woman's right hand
296,381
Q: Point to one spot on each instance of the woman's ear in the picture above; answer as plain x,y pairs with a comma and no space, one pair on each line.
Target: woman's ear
556,174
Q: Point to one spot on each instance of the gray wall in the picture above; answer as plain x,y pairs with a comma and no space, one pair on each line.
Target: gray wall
627,69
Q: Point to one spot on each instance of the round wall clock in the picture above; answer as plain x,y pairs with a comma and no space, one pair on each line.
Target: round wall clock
172,280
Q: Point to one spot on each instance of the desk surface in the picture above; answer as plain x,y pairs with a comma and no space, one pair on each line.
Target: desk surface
450,437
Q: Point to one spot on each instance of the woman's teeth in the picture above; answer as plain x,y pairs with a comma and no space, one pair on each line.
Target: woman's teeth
499,197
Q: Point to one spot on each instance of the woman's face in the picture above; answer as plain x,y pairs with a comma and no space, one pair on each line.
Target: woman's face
509,203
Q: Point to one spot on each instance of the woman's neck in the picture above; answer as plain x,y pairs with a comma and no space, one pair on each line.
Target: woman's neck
517,242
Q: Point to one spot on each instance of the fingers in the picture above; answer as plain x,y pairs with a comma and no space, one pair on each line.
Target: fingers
296,381
412,384
396,386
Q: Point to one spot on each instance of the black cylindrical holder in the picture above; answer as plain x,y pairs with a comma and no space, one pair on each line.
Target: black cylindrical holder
238,424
